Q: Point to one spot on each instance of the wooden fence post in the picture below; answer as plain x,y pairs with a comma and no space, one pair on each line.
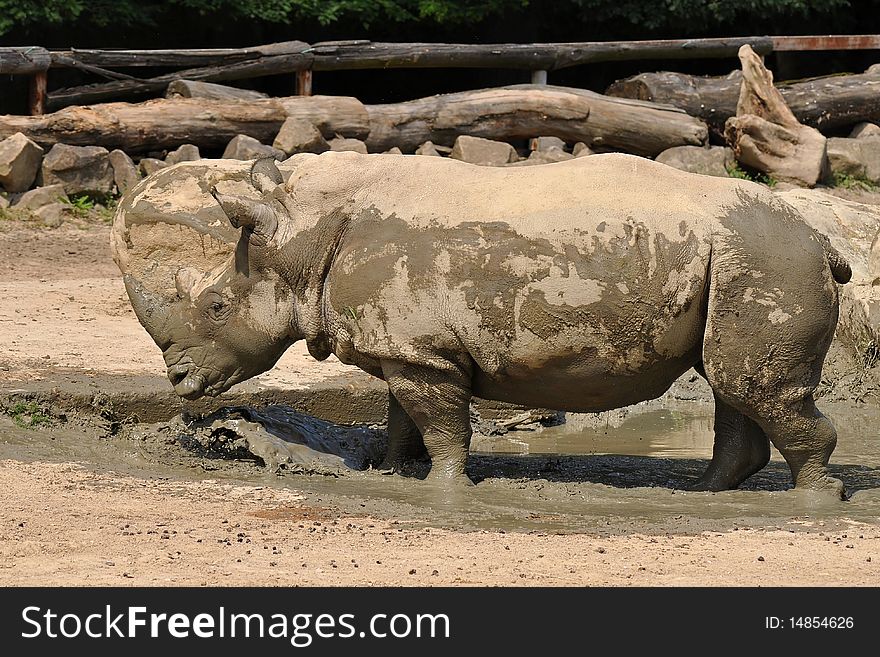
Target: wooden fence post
37,93
304,82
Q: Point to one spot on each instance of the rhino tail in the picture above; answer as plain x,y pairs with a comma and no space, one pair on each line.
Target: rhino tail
840,268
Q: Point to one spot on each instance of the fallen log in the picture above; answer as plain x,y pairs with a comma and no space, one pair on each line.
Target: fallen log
168,123
523,111
23,60
827,103
209,90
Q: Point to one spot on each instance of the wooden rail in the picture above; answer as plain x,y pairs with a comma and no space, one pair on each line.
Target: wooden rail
300,58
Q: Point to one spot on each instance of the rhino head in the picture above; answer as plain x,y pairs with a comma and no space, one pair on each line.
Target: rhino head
233,322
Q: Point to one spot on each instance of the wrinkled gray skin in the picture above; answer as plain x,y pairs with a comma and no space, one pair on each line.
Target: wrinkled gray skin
583,286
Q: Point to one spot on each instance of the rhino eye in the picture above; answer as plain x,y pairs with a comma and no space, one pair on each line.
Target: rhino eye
218,310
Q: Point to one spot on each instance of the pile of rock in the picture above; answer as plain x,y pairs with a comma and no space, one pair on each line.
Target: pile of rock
66,172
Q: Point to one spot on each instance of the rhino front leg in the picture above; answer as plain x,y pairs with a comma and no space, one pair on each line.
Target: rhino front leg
404,438
438,402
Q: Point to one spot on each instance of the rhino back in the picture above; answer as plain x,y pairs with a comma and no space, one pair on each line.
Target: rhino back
562,270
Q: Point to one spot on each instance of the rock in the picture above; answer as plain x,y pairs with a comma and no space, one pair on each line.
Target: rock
859,158
394,150
548,156
4,202
150,165
766,135
37,198
19,162
428,148
581,150
81,169
245,147
711,161
125,173
851,227
299,136
186,153
345,144
548,143
865,131
52,215
486,152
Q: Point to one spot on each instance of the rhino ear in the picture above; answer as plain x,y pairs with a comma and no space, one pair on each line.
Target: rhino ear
256,218
265,175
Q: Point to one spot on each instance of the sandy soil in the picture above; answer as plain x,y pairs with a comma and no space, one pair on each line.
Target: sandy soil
65,525
66,520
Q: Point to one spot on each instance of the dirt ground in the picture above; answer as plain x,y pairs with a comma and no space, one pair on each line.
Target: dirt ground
74,517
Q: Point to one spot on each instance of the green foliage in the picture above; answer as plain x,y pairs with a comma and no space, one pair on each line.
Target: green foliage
737,171
14,13
29,415
853,182
80,205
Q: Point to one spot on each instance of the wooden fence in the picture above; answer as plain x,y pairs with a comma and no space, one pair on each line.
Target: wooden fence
302,59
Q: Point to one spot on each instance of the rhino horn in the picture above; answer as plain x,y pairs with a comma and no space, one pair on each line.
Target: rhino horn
256,217
152,310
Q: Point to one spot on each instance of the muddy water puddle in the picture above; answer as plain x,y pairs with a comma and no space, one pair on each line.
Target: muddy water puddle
606,474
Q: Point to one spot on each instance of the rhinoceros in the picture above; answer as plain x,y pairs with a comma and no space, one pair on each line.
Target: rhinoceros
583,286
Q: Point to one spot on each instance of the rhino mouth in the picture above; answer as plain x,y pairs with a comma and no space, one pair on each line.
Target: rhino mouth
187,383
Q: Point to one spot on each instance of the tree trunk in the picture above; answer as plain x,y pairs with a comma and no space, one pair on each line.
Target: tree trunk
827,103
168,123
765,134
523,111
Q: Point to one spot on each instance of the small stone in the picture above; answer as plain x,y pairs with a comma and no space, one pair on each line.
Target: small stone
37,198
485,152
412,572
150,165
4,203
428,148
125,173
80,169
548,156
186,153
760,558
344,144
394,150
865,131
299,136
581,150
245,147
20,160
600,550
548,143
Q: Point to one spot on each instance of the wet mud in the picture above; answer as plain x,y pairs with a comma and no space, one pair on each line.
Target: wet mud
609,473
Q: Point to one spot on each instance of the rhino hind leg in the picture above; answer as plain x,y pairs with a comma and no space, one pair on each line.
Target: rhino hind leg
741,449
438,401
405,442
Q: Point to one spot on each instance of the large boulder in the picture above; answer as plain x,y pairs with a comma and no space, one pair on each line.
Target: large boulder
859,158
487,152
125,172
80,169
852,228
709,161
299,136
19,162
245,147
41,196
